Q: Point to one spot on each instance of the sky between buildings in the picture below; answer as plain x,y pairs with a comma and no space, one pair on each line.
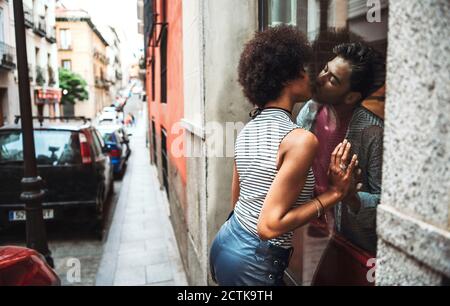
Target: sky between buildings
120,14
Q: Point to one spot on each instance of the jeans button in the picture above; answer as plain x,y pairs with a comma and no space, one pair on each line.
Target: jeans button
276,262
270,276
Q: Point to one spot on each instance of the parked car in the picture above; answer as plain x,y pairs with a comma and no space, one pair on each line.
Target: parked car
109,109
25,267
74,164
118,144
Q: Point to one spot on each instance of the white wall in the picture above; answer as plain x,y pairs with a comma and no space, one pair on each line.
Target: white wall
214,33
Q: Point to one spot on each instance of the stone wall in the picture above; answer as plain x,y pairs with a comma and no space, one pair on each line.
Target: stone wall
413,218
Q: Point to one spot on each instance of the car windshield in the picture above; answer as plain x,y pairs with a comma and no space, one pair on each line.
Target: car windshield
109,137
52,147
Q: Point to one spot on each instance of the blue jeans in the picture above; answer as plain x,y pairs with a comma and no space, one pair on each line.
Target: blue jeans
239,258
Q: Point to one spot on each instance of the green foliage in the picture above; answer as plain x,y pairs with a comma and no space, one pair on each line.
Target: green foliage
73,87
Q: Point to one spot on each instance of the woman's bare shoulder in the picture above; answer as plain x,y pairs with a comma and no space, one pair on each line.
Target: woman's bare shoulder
300,138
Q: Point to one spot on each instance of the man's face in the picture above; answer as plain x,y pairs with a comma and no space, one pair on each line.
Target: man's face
333,83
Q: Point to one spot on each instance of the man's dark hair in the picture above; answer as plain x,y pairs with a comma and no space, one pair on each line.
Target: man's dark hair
368,67
270,60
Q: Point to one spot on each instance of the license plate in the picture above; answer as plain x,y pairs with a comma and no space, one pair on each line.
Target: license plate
20,215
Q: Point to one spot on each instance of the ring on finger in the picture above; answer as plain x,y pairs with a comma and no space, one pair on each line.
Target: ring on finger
343,167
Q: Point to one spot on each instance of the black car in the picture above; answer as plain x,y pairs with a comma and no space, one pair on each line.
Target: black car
74,164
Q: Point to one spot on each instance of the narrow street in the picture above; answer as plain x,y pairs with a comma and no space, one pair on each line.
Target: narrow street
138,247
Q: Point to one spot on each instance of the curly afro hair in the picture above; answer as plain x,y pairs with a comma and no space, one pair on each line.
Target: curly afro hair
270,60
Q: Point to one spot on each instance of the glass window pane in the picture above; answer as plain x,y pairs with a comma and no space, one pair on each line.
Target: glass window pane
336,252
52,147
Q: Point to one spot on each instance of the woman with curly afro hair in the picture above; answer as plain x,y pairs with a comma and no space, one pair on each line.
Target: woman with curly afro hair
273,182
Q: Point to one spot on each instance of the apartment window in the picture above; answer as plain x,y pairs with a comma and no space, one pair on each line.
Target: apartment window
164,10
155,156
164,159
275,12
153,78
67,64
163,53
65,39
2,25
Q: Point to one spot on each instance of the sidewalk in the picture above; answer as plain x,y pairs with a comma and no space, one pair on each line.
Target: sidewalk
141,248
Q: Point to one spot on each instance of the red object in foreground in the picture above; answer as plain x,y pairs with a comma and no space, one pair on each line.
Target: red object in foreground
25,267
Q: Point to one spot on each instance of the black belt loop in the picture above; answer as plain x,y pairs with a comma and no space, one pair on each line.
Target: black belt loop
230,215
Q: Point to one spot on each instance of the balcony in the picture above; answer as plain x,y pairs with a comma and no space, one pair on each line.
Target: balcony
40,76
7,53
51,76
28,14
40,27
101,57
119,75
30,73
51,35
99,82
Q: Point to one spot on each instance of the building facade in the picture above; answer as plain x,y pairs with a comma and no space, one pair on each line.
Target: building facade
9,95
115,69
42,56
193,50
82,49
42,59
164,83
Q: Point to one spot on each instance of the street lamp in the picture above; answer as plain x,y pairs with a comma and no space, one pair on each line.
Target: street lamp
32,194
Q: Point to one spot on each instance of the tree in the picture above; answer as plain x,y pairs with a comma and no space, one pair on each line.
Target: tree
73,87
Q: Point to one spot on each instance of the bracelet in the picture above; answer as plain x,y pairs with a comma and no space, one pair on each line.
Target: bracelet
319,214
323,209
321,204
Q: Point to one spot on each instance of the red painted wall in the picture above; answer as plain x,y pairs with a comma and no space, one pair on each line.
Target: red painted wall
168,114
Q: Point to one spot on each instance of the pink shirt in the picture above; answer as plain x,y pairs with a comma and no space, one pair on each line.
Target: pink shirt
330,132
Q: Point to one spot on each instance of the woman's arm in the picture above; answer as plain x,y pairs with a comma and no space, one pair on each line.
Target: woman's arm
297,152
234,187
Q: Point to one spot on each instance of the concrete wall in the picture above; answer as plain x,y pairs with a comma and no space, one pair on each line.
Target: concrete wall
413,218
215,37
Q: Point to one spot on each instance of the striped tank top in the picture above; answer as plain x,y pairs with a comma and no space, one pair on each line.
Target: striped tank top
256,157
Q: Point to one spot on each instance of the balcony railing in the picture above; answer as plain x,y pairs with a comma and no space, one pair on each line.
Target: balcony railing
51,35
7,59
28,14
40,27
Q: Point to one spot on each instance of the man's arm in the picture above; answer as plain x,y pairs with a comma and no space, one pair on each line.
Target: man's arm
363,203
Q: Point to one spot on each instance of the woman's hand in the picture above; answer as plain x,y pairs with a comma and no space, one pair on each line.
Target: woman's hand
340,172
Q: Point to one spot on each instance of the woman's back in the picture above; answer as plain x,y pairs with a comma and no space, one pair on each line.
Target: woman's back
256,154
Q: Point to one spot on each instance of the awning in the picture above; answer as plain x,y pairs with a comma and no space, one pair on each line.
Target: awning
47,96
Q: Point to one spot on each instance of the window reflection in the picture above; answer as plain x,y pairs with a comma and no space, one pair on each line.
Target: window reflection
335,252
